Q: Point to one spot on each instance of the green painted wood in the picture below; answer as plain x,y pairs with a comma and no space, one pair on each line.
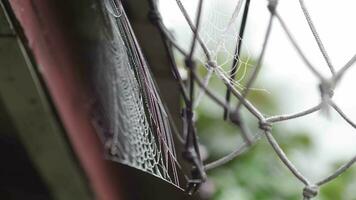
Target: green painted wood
36,124
5,27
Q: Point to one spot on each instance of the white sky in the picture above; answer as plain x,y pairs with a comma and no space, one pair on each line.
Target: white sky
284,70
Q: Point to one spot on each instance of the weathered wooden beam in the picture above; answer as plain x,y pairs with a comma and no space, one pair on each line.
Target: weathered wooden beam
49,42
35,122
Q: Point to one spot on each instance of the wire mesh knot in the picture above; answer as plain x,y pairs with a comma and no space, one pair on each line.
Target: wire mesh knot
235,118
326,89
211,64
265,126
310,191
189,62
272,5
154,16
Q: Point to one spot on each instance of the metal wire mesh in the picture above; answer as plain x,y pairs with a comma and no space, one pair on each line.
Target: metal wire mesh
327,85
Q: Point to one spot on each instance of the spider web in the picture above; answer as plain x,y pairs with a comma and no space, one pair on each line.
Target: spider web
130,116
218,31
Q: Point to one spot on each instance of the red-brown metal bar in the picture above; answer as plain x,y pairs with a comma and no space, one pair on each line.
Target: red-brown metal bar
58,64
